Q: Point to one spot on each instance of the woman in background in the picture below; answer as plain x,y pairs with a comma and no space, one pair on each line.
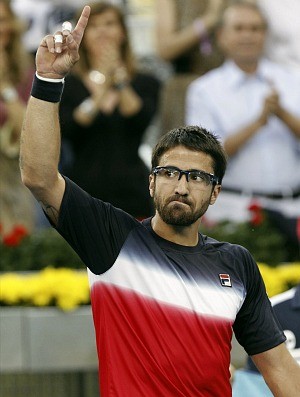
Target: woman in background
185,37
106,107
16,73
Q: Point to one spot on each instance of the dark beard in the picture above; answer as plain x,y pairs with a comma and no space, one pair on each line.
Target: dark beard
177,215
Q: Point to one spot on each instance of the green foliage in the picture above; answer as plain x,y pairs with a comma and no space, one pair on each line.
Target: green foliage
265,242
37,251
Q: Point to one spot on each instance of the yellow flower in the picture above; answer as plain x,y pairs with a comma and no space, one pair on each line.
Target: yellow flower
65,288
281,278
11,288
68,288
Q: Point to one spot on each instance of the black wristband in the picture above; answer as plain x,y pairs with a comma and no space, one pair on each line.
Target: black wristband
46,91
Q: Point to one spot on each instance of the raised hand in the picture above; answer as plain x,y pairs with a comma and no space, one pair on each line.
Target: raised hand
213,12
59,52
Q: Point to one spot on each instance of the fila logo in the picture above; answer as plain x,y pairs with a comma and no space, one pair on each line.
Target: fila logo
225,280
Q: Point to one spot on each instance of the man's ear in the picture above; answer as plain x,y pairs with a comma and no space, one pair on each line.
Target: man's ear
151,184
215,193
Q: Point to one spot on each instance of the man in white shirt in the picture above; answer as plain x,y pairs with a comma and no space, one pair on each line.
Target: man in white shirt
254,106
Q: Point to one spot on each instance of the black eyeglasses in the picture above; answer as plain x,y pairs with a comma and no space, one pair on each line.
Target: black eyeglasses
196,177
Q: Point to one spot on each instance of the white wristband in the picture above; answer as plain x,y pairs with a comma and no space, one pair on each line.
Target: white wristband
50,80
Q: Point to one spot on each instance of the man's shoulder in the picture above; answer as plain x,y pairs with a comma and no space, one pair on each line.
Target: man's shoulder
211,78
276,70
225,247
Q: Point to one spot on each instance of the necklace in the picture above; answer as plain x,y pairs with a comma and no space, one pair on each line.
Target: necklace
97,77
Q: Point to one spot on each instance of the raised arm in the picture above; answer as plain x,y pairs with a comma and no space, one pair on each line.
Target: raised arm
280,371
40,138
172,42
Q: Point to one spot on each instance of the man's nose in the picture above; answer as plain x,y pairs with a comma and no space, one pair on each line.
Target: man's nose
182,186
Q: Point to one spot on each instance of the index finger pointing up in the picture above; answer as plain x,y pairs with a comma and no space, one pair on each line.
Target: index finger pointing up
81,24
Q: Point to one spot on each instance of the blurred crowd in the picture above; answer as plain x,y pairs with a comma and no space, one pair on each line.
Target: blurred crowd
147,67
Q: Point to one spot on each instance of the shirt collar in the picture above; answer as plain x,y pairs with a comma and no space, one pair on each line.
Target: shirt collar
235,76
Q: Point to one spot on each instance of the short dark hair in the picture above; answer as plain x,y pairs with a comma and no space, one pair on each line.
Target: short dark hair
197,139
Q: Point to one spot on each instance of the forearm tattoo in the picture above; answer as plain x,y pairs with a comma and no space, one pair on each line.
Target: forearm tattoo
50,211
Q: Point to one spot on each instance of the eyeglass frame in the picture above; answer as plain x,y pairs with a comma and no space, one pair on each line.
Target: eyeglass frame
214,180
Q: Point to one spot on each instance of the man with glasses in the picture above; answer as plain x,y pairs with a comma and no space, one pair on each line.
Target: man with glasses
165,298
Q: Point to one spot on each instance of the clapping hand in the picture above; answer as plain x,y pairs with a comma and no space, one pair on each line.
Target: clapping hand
271,106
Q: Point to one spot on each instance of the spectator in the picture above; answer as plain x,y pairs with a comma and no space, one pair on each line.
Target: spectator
185,38
106,108
16,72
253,105
286,307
